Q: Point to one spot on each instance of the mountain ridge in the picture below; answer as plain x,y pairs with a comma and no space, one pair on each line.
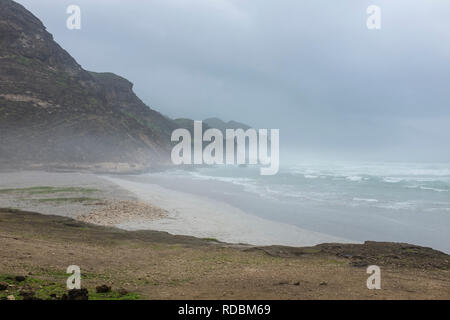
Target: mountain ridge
56,115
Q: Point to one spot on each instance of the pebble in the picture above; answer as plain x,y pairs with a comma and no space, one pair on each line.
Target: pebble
116,212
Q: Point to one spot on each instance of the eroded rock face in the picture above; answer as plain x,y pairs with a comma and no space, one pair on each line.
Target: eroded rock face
53,112
24,35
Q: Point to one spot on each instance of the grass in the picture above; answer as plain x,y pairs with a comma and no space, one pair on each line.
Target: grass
23,60
48,190
43,289
113,296
177,282
71,200
311,250
211,239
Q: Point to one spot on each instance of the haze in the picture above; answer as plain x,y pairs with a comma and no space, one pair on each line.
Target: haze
309,68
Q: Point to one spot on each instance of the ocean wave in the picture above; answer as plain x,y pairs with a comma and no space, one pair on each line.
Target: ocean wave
437,209
398,205
365,200
355,178
392,180
248,184
234,180
433,189
410,170
324,187
427,188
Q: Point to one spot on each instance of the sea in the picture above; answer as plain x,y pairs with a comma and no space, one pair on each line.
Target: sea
400,202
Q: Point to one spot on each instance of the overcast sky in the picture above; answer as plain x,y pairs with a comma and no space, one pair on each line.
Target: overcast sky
310,68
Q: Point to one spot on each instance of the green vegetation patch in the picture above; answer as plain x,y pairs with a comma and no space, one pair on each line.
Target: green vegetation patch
211,239
62,200
23,60
48,190
113,295
311,250
45,289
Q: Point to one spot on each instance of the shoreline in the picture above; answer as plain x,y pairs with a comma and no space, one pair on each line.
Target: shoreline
39,244
137,206
202,217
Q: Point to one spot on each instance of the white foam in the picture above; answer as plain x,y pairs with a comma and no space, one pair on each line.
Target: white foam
433,189
310,176
427,188
354,178
366,200
398,205
392,180
202,217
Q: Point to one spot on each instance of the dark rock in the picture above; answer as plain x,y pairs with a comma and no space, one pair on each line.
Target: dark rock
359,264
27,294
297,284
122,291
323,283
20,278
103,289
76,294
3,286
393,256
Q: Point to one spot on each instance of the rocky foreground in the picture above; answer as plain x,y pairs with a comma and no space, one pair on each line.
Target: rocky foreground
36,250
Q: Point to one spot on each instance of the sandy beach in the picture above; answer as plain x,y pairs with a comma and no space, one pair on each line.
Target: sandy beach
68,194
114,201
198,216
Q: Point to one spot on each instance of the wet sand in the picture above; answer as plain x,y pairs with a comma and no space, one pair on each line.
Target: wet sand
198,216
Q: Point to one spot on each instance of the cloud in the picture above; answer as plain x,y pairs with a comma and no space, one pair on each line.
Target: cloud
310,68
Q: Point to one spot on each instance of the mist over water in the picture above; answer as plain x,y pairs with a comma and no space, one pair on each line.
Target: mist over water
402,202
320,76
